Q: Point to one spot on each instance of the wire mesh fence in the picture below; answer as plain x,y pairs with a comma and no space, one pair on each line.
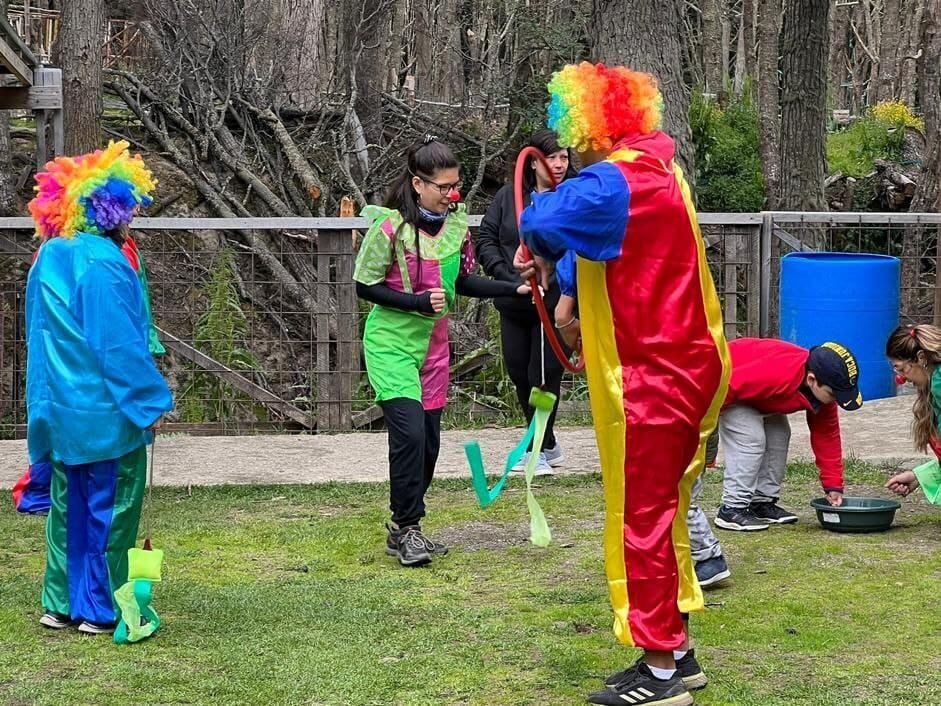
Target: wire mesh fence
263,330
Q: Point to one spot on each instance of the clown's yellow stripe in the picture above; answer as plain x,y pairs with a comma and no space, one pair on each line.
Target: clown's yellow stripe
605,387
690,595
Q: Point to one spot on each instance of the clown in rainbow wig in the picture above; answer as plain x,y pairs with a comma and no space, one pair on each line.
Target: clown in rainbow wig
93,390
655,355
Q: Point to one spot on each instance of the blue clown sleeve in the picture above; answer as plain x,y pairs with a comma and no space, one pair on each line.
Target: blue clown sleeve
587,214
111,311
565,274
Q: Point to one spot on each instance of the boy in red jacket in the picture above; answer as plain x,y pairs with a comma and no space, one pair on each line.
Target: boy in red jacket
771,379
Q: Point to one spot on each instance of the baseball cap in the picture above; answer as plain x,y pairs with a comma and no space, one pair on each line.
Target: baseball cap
835,366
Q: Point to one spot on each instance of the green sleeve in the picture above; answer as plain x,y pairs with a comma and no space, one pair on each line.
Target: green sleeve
936,398
929,478
375,256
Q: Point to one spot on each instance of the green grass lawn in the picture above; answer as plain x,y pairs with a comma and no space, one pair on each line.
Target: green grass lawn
282,595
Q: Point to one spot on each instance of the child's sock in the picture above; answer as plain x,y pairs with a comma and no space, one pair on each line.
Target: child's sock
661,674
679,654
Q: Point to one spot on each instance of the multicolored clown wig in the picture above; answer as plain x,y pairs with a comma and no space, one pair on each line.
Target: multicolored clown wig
593,106
94,193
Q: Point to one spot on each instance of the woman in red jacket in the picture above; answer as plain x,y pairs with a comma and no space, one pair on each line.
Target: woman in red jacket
771,379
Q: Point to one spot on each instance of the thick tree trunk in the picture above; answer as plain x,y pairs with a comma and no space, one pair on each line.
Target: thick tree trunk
749,16
741,68
645,37
912,15
769,107
804,104
293,50
838,71
78,51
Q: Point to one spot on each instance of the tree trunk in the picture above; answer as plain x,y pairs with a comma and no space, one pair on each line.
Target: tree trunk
929,90
769,107
78,51
912,14
887,78
838,71
712,46
645,37
741,67
293,50
438,59
749,16
804,104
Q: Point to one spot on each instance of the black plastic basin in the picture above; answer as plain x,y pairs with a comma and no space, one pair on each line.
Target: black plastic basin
856,514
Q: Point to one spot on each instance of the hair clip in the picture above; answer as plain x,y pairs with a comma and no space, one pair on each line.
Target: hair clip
913,332
429,138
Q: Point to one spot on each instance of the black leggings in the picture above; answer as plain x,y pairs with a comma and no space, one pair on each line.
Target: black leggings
520,335
414,441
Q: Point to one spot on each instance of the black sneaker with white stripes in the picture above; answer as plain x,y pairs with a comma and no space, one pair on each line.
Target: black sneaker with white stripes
688,669
739,519
772,512
641,688
409,546
392,549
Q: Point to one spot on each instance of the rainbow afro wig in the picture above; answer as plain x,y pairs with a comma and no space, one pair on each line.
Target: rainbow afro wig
94,193
593,106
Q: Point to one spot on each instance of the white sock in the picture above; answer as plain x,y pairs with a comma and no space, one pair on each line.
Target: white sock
679,654
661,674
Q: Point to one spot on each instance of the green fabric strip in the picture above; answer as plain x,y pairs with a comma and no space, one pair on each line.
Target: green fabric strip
55,589
929,478
128,501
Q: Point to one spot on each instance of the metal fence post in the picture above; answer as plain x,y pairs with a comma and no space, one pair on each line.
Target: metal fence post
764,300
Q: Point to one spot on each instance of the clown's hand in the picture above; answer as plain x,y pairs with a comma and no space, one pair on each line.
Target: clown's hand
902,483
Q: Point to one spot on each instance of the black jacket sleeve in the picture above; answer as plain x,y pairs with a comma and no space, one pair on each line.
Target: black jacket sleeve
490,253
483,288
386,296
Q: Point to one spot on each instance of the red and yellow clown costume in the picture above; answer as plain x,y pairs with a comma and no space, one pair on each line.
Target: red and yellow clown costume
655,354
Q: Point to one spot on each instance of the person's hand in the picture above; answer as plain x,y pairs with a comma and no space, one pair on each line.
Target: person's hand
534,266
524,290
437,299
156,426
902,483
571,334
835,498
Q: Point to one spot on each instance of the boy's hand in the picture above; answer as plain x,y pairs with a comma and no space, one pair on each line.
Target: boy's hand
902,483
835,498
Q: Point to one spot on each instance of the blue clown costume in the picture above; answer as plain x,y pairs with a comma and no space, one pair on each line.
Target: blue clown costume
92,388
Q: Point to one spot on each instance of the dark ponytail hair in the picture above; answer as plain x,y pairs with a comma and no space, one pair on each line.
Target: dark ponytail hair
423,159
547,142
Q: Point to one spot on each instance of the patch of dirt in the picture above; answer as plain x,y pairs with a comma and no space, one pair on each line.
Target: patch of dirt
475,535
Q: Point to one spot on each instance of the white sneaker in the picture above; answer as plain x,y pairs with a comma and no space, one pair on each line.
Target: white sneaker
93,629
55,621
554,456
542,466
521,466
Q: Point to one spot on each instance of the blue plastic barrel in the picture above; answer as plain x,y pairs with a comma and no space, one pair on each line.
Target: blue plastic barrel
849,298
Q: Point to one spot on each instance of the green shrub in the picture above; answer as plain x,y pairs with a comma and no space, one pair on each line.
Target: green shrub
728,161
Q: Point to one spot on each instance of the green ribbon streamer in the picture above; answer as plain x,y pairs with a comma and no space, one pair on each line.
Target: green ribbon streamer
139,620
543,404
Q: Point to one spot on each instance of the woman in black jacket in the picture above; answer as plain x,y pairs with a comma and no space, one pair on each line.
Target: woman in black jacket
519,322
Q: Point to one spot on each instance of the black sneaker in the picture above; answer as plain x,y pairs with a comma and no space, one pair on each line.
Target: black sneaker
641,688
411,547
739,519
687,668
690,672
436,548
773,513
711,571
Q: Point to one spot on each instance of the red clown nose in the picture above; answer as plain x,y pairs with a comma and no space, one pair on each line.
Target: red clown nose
454,196
900,379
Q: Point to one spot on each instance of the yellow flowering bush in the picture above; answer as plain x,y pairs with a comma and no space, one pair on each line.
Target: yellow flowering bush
896,114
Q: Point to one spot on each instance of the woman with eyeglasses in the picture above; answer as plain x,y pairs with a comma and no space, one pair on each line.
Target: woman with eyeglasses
415,259
915,354
525,354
